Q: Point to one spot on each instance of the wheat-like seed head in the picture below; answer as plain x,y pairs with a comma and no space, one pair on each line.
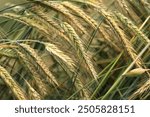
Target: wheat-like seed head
123,5
126,43
90,21
50,78
7,52
15,88
77,44
133,27
145,88
50,22
55,51
84,93
37,78
61,9
82,14
29,22
32,93
2,33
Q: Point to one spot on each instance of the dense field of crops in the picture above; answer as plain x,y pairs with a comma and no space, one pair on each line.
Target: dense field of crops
75,49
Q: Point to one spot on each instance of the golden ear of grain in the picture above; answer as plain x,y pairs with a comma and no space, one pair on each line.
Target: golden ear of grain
39,11
47,20
2,33
15,88
77,44
61,9
121,36
32,94
136,72
29,22
55,51
7,52
133,27
90,21
142,91
123,5
50,78
31,69
82,14
84,93
35,23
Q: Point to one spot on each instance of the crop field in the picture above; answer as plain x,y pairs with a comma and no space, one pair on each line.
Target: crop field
75,50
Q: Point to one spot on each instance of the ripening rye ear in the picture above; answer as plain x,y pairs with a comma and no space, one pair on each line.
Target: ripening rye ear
12,84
